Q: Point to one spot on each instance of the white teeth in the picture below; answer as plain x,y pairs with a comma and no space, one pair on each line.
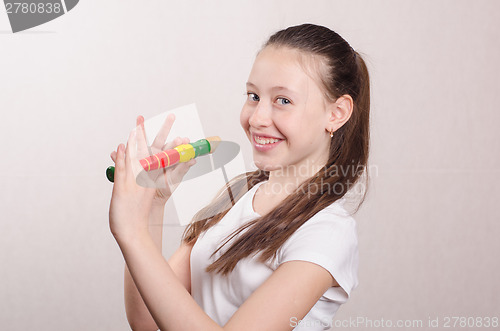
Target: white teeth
264,141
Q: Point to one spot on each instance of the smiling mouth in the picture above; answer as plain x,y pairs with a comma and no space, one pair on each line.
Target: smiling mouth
265,141
265,144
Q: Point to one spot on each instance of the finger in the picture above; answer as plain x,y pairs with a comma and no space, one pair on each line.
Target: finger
186,165
119,163
131,152
162,135
113,156
170,145
142,141
174,143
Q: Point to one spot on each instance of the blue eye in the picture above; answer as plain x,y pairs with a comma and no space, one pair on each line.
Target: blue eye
283,101
253,96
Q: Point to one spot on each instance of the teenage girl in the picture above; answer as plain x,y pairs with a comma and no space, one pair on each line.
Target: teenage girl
275,249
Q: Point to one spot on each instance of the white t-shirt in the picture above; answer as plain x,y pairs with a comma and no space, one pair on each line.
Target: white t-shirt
328,239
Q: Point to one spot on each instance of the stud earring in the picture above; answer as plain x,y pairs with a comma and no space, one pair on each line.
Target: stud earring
331,133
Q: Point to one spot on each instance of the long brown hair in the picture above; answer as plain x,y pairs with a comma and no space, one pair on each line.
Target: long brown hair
348,157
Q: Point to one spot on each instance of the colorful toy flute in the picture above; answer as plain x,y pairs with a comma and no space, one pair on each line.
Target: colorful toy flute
181,153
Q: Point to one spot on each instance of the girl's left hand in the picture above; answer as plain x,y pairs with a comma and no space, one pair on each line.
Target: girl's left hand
130,202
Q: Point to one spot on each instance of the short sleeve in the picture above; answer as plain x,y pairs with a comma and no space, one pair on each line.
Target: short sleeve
328,239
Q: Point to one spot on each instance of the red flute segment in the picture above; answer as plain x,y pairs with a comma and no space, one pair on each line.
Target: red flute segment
145,164
160,160
169,157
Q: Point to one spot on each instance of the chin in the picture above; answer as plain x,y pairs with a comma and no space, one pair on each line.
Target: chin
266,166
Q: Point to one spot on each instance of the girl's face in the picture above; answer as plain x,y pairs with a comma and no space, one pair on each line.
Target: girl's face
285,115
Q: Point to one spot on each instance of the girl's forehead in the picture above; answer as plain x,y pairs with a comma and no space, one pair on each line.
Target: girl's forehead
282,66
278,66
281,58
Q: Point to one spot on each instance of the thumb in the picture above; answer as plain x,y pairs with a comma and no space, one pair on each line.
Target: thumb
179,171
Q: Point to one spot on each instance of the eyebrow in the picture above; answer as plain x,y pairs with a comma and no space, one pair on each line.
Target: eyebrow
251,85
275,88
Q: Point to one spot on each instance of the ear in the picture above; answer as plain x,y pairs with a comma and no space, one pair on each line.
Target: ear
339,112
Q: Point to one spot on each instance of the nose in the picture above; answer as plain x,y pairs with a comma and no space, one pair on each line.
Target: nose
261,116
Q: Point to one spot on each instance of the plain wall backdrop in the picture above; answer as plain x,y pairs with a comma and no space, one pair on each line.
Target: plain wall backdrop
70,91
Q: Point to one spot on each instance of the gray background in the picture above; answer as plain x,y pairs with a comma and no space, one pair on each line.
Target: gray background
70,90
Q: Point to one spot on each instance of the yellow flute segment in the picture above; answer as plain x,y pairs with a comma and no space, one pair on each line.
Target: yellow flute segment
186,152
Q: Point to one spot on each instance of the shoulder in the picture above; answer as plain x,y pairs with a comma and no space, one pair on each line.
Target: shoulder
328,239
331,222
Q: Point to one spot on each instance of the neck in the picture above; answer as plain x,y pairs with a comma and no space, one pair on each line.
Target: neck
286,180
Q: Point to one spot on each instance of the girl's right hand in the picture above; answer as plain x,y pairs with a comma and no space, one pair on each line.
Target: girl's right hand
164,180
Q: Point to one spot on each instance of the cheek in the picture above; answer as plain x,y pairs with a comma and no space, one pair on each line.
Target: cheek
244,117
289,124
302,130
